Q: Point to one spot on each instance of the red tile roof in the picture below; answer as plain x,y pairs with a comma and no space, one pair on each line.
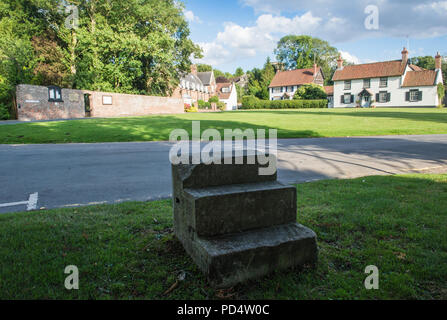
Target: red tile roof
370,70
223,95
293,77
420,78
329,90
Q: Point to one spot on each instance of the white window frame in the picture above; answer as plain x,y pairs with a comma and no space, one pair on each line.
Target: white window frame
348,84
414,95
381,95
347,101
383,82
366,81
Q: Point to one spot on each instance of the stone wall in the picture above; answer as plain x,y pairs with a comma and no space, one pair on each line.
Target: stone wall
107,105
33,104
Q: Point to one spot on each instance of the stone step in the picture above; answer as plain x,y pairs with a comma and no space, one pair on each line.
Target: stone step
238,208
231,259
237,172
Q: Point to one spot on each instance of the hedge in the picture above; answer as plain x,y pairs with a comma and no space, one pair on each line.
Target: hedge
251,102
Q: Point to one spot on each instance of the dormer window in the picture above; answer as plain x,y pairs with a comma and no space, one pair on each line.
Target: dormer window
226,90
383,82
54,94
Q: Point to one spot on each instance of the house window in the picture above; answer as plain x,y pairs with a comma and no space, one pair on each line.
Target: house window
54,94
277,90
383,97
107,100
348,85
367,83
383,82
226,90
414,95
347,98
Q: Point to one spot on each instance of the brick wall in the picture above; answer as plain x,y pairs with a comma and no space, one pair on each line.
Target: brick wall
132,105
33,104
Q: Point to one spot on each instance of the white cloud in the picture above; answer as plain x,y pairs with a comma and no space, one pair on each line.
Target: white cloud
245,42
349,57
191,17
333,21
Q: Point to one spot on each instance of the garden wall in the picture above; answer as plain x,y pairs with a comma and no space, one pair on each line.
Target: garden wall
107,105
33,104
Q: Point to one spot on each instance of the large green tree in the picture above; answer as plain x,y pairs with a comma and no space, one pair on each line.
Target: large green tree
129,46
260,79
300,52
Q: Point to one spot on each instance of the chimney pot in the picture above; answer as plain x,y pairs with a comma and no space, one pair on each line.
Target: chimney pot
340,62
438,61
194,69
405,55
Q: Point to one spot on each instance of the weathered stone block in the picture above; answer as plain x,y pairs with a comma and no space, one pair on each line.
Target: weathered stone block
237,224
231,259
241,207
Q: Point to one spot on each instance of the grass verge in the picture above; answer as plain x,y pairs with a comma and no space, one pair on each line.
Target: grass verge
289,123
128,251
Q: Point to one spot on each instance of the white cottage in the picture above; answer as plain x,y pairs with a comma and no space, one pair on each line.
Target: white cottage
285,83
390,84
227,94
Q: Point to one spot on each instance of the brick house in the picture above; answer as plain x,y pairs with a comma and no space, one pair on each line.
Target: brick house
390,84
286,83
193,89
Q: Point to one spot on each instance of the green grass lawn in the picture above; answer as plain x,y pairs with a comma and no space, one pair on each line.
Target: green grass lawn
128,251
289,123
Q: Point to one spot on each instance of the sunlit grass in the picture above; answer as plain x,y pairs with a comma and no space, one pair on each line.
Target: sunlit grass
289,123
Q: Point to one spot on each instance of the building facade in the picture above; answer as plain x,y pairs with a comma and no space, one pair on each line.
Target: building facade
387,84
227,94
285,83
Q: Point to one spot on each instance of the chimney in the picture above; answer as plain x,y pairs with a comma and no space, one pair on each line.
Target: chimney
340,62
438,62
405,56
194,69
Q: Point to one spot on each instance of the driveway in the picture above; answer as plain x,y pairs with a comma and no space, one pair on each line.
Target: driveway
69,175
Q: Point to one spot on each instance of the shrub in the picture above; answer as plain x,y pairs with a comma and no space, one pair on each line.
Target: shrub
250,102
310,92
221,106
204,105
192,109
214,99
441,95
4,112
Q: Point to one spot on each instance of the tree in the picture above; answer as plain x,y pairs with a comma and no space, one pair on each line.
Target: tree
260,79
128,46
301,52
239,72
310,92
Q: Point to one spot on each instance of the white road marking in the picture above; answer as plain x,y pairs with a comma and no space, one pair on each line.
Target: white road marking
13,204
31,203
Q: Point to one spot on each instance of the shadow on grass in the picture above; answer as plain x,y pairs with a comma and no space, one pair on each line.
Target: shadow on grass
154,128
128,251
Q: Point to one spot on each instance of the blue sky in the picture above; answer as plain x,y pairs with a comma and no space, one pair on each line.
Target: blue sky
243,33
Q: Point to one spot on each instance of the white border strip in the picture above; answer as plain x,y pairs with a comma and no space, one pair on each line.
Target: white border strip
31,204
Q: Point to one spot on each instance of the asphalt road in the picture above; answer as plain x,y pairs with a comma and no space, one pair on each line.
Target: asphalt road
69,175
